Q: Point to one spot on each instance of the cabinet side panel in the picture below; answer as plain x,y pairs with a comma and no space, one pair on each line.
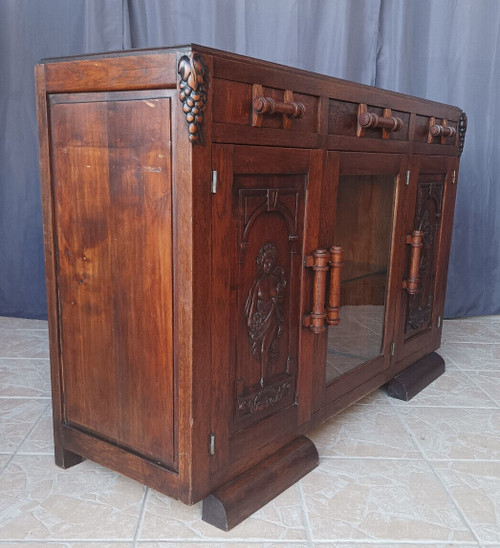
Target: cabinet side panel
112,187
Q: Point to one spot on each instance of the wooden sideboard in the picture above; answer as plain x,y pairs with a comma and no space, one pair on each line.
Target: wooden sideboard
235,251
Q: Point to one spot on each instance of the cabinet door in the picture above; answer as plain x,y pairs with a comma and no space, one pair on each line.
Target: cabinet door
258,215
358,214
427,236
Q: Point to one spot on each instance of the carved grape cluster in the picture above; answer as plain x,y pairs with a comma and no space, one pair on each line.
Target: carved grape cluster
193,89
462,128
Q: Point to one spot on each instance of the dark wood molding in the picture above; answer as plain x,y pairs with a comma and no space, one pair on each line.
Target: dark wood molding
407,384
234,502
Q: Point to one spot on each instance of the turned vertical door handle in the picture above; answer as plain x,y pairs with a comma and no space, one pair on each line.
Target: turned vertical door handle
318,261
336,254
415,241
322,261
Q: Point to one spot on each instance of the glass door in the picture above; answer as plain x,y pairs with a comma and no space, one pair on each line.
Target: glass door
363,229
358,225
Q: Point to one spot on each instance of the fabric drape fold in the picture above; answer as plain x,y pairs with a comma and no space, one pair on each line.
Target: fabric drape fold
444,50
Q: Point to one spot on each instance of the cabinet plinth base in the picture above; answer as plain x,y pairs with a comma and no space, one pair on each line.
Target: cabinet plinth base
416,377
235,501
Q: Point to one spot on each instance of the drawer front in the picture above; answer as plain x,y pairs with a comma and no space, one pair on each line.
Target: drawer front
343,120
232,104
423,133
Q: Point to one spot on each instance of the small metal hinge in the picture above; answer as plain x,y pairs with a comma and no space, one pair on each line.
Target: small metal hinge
407,178
214,182
393,348
453,177
211,444
439,322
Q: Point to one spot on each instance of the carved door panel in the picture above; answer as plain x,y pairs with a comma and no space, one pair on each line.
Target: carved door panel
258,231
360,222
427,237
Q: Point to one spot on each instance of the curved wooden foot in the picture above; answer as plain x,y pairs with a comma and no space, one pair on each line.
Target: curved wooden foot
240,498
66,459
415,378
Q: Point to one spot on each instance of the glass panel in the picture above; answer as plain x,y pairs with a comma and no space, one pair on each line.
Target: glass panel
363,227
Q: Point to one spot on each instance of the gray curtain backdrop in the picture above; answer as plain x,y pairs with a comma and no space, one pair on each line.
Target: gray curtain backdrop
445,50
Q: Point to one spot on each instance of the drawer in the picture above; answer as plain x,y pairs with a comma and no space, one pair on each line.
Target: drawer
343,120
232,104
423,125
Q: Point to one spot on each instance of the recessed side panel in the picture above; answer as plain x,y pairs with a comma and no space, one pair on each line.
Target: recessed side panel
112,187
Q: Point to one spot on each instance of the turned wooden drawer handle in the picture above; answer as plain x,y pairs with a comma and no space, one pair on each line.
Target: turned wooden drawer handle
442,131
415,240
336,264
318,261
368,120
266,105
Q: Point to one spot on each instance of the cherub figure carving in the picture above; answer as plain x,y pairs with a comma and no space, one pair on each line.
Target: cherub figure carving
264,309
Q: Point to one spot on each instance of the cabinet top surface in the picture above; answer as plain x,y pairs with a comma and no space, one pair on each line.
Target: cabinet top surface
177,51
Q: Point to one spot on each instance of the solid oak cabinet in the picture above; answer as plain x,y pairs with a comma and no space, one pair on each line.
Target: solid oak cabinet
235,250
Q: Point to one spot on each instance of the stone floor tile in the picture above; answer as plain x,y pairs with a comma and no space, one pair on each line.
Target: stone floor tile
377,398
17,418
383,495
495,318
282,519
364,431
376,500
4,459
463,331
452,389
23,343
41,439
22,323
25,378
87,502
219,544
449,363
391,544
472,356
489,382
447,433
63,544
475,487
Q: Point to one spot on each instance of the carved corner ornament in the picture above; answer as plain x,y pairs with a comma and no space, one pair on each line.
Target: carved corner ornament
462,128
193,90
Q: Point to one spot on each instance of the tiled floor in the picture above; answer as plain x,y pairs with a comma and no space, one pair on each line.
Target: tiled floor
423,473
